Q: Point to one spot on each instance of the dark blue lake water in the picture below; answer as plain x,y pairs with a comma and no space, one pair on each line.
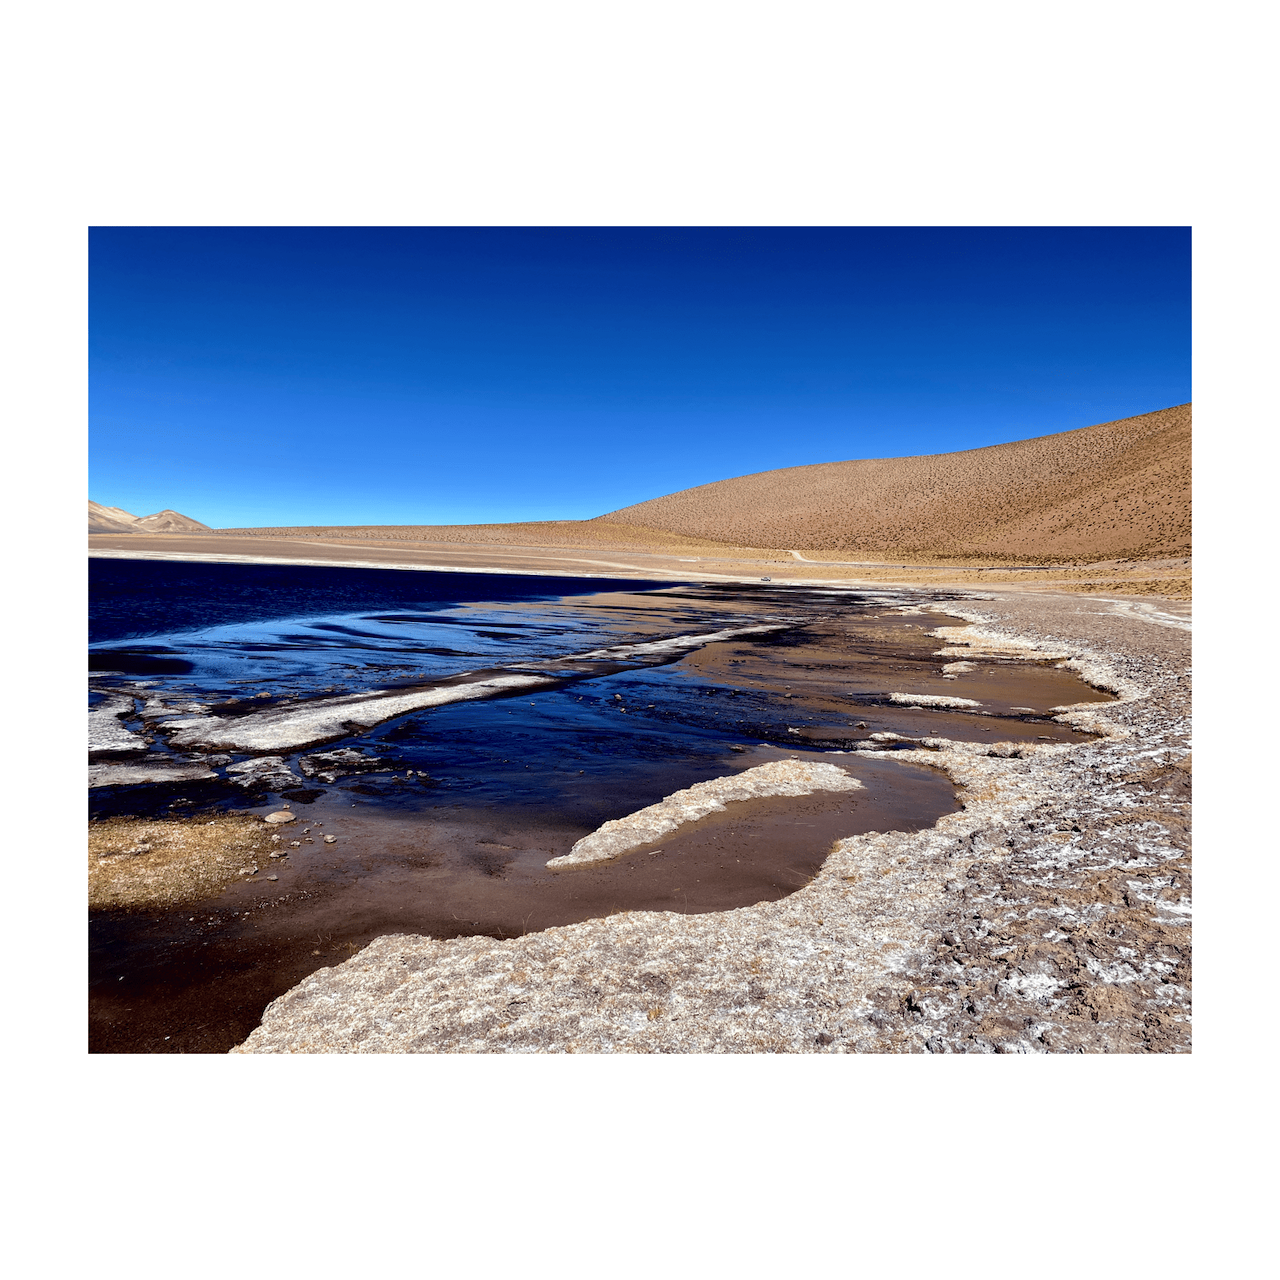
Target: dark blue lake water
226,639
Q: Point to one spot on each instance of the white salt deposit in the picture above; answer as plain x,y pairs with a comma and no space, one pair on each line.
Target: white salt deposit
930,700
777,778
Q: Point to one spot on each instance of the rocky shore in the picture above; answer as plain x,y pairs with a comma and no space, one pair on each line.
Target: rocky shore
1050,914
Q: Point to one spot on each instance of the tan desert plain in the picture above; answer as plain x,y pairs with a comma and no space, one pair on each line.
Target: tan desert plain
1049,913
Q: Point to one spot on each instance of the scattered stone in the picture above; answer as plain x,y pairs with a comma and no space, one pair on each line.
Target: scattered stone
273,877
331,839
824,1037
281,815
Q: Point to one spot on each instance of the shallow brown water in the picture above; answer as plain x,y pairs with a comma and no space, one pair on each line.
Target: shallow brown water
196,981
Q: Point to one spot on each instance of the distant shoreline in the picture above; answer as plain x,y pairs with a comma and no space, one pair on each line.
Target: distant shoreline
1166,578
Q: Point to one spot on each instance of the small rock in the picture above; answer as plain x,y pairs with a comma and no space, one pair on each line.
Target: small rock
295,844
934,1044
862,724
275,853
331,839
273,877
281,815
824,1038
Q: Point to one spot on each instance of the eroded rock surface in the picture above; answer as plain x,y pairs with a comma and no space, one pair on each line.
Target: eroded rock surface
1050,914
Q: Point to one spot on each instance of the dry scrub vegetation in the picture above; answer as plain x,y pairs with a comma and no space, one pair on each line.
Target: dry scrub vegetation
135,864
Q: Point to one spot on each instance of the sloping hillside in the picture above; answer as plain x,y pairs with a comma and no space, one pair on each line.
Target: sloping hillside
1117,490
116,520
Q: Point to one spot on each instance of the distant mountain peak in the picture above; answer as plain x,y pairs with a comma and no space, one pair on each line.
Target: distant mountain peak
116,520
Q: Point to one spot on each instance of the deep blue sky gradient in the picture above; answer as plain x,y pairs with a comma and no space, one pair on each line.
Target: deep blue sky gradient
279,376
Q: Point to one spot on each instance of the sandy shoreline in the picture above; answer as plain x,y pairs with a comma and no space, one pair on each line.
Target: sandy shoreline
1050,914
1168,578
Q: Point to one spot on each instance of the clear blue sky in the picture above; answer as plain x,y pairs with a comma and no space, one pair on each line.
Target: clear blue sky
281,376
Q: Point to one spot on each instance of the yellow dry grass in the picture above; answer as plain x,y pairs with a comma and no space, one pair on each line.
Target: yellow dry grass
187,860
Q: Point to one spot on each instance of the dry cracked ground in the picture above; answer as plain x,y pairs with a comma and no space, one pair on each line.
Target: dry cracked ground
1050,914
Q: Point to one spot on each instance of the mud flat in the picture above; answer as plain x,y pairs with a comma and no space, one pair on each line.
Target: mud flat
1051,913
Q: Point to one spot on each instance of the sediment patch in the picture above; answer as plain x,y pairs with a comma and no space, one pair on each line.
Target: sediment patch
136,865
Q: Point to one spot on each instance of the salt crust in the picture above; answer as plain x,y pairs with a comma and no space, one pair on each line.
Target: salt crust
777,778
931,700
837,965
107,734
130,775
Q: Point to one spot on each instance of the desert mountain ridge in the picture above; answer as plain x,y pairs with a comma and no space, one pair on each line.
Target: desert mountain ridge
1116,490
115,520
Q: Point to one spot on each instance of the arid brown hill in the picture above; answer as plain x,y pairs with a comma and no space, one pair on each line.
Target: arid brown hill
115,520
1118,490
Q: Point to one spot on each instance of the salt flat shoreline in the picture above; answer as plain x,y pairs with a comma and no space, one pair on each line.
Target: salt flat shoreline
1169,579
1050,914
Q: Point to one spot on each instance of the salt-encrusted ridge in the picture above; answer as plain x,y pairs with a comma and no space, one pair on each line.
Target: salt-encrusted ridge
777,778
931,700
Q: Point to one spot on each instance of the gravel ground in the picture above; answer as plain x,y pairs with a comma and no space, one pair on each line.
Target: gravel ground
1051,914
